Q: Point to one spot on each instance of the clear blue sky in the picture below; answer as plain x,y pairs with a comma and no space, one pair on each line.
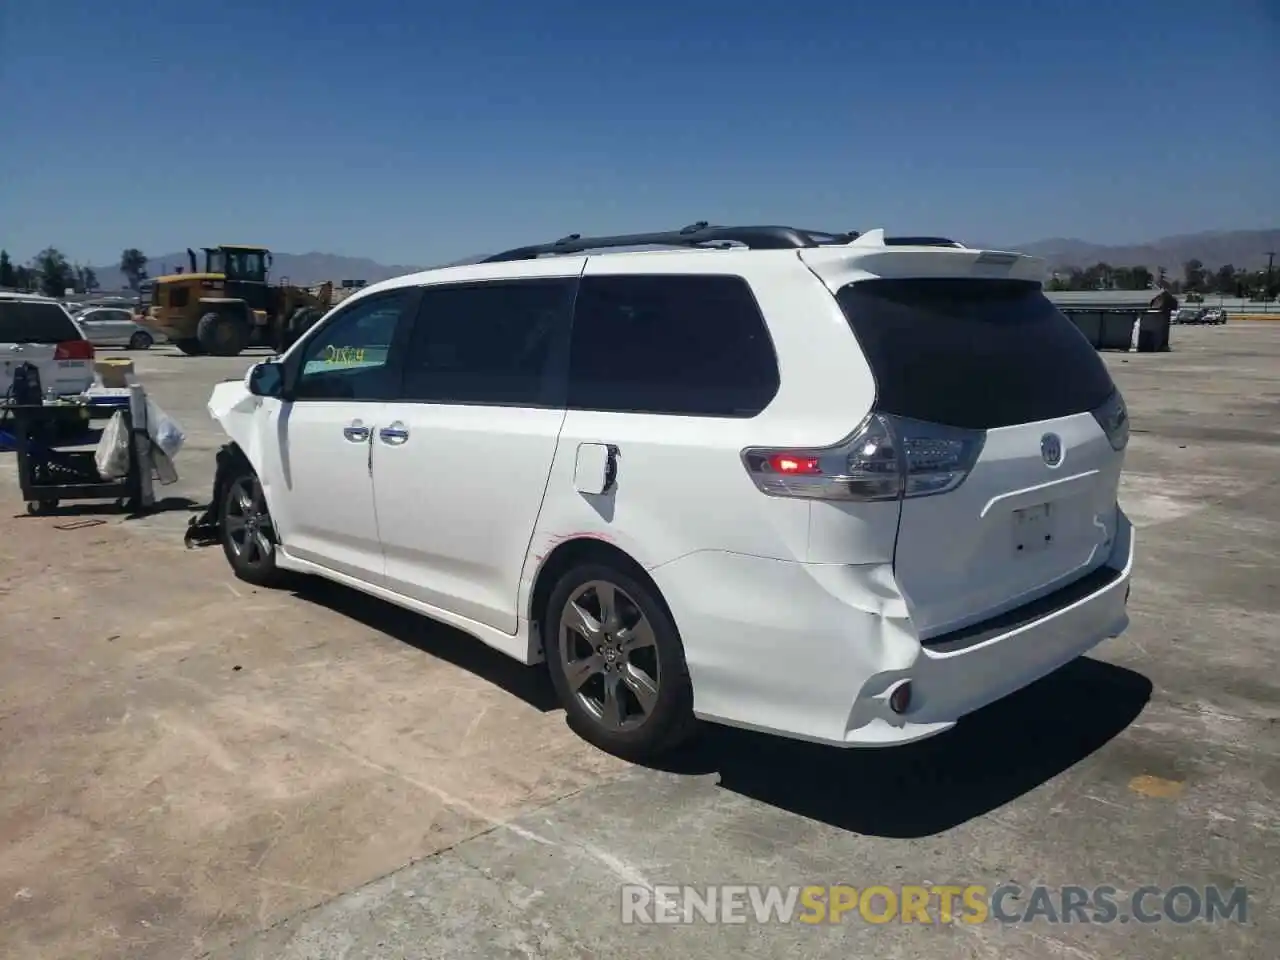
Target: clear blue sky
419,132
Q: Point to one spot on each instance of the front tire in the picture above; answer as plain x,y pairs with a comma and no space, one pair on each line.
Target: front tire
140,341
222,335
246,530
616,661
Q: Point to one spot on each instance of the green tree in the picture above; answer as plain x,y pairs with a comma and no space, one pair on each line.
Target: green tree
133,264
86,279
1141,278
1224,281
54,271
1076,280
7,276
1193,276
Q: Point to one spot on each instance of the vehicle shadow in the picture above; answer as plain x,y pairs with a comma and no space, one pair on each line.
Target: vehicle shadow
991,757
113,507
453,646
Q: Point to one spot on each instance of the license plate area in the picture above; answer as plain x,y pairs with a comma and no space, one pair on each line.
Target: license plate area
1033,529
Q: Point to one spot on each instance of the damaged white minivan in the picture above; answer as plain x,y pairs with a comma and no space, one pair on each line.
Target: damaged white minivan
838,487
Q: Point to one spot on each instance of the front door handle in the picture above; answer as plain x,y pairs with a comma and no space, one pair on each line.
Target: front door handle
394,435
356,432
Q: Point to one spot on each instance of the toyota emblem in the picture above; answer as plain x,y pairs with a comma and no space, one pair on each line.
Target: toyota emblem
1051,449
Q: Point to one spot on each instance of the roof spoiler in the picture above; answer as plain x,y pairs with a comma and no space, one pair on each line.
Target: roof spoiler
877,238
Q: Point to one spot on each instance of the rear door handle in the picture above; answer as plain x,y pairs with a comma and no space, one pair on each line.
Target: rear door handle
394,435
356,432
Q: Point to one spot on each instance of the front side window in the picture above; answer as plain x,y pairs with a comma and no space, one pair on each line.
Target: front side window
350,357
490,343
685,345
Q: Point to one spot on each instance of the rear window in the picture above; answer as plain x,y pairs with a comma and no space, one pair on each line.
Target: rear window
973,353
30,321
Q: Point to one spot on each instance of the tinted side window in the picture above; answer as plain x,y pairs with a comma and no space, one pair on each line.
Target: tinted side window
687,345
499,342
973,353
350,357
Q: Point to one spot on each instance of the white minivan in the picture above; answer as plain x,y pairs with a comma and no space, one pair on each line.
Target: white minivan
845,488
39,331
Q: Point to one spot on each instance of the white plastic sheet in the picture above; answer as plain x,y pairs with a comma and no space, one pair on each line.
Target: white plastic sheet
112,453
164,431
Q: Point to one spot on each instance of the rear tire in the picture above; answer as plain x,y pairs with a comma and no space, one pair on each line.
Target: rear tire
222,334
191,348
619,670
140,341
246,530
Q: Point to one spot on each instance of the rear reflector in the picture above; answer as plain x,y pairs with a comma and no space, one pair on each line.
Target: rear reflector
787,465
1113,418
886,458
73,350
900,698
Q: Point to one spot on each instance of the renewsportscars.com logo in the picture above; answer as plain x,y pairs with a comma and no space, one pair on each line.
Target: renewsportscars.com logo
932,904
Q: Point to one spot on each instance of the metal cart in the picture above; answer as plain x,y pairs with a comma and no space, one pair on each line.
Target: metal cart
48,475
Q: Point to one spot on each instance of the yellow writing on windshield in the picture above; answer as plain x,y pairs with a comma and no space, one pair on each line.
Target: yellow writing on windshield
344,354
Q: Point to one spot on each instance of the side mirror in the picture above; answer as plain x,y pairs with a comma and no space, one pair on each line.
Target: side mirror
266,379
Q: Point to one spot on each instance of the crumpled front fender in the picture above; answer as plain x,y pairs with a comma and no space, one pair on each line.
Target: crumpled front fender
237,411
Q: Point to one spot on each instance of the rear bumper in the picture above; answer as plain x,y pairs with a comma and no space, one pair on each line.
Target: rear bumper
812,651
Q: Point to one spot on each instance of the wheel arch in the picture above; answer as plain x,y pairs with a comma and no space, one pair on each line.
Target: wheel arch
563,557
231,457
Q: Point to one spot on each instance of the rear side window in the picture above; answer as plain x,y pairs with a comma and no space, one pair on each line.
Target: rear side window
687,345
499,342
30,321
973,353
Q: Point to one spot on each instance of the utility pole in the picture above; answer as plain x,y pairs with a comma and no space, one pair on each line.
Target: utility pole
1271,259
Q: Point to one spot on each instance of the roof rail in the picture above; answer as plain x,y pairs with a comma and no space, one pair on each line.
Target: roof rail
700,234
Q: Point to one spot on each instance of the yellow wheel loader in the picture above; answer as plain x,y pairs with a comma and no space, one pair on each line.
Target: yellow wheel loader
230,304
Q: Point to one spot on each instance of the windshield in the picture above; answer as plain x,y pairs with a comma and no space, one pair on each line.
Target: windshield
214,262
30,321
246,264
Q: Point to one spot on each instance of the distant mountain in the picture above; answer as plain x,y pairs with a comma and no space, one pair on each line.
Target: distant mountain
302,269
1242,248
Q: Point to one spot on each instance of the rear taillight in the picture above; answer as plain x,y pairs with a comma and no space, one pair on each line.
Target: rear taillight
73,350
1113,418
886,458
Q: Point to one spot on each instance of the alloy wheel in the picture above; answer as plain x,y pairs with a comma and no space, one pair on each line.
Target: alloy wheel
248,524
609,655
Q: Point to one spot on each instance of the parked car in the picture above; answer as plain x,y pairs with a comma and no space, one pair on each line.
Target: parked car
1215,316
1189,315
839,488
114,327
38,330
